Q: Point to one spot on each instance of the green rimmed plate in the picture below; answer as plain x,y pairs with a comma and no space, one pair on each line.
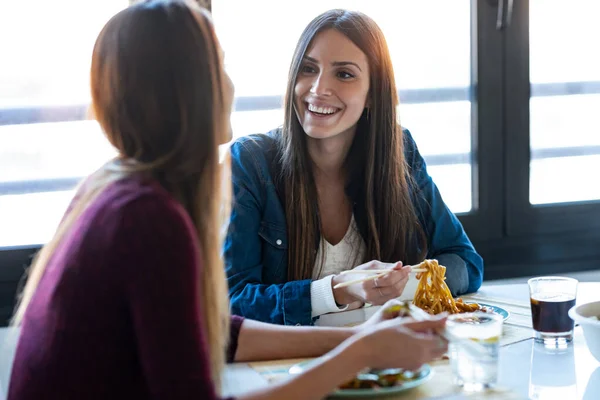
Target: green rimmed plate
495,309
422,376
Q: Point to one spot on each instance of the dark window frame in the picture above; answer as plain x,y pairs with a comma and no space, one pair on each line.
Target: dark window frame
522,217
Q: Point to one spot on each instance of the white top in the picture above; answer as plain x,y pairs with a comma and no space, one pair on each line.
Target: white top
347,254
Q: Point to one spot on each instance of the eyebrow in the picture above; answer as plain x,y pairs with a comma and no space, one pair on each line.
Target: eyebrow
335,63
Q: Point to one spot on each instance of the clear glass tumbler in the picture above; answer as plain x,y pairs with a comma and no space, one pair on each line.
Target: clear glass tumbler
475,368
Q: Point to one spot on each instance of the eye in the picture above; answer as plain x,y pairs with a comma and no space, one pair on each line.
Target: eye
307,69
345,75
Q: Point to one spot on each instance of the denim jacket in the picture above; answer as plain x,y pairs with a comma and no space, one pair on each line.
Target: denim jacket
256,243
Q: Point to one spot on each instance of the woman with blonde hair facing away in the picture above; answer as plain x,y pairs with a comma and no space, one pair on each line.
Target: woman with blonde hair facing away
129,299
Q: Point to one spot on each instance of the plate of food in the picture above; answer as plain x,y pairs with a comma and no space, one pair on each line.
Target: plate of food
372,382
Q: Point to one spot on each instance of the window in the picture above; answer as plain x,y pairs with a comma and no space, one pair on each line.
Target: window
565,101
46,143
552,77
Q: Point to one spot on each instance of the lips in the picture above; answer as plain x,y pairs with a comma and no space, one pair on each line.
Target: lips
321,109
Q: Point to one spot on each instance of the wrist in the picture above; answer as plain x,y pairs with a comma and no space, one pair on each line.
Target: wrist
341,295
358,351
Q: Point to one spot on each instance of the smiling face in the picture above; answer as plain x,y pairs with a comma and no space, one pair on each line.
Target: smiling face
332,86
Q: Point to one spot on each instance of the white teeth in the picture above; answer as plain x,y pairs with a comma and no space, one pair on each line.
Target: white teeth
321,110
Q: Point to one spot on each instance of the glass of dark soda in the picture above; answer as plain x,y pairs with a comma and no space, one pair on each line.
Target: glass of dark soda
551,298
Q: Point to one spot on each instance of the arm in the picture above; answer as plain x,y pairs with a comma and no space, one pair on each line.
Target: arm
386,345
447,240
279,303
158,259
261,341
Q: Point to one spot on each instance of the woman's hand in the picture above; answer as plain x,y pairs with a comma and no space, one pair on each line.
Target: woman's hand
376,291
403,343
390,310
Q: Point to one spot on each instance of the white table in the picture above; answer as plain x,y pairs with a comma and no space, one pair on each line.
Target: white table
536,372
525,366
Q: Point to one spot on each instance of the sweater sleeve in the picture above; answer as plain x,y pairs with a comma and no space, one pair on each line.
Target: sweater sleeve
234,333
159,259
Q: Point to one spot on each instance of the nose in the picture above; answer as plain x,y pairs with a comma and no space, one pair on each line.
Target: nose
321,86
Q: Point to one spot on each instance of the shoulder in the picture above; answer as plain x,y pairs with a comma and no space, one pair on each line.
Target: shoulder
139,206
414,160
253,155
137,193
154,230
255,145
131,219
410,146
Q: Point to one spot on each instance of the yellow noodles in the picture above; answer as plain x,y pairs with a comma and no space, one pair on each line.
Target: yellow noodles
433,295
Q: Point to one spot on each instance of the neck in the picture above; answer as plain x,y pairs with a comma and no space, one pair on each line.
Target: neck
328,155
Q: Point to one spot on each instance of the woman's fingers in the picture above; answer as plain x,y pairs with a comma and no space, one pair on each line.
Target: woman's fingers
392,278
400,285
386,288
380,296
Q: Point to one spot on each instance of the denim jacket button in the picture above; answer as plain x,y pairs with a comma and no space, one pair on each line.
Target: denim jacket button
278,241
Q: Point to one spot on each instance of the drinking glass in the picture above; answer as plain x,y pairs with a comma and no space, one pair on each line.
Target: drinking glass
551,298
475,371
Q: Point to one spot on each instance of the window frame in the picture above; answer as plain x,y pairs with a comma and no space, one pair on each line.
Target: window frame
522,217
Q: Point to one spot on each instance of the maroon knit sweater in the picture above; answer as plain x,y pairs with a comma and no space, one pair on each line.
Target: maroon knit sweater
115,315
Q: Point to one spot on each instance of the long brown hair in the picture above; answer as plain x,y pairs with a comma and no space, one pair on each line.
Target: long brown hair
157,84
375,160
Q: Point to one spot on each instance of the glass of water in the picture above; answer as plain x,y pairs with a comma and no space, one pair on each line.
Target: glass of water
475,370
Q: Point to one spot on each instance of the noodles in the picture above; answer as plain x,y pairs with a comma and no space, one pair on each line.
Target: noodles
433,295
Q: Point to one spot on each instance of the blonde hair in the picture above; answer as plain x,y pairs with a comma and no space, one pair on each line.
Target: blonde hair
157,82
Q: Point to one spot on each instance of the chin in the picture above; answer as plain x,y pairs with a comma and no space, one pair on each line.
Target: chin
324,133
319,134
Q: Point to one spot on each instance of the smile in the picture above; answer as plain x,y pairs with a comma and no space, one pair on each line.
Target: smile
322,110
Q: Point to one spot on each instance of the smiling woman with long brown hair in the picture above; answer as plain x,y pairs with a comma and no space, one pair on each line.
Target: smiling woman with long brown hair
340,185
129,299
